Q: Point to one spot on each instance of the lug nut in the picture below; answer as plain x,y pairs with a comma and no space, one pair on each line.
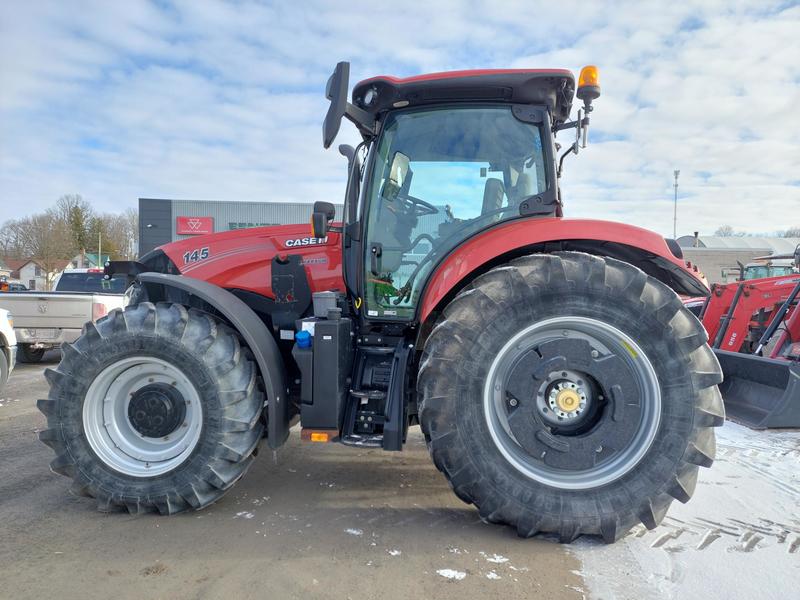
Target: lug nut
513,402
595,353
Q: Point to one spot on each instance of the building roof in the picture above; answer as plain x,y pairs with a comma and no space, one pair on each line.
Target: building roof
15,264
770,245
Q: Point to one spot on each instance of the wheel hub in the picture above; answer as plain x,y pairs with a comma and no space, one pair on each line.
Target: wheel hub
156,410
567,400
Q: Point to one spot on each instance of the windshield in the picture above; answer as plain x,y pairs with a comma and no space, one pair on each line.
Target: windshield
760,272
91,282
439,176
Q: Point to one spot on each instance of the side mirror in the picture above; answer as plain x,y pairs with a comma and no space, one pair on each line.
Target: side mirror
348,152
321,218
398,171
336,92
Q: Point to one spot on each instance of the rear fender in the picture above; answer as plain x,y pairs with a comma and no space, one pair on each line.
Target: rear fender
243,319
639,247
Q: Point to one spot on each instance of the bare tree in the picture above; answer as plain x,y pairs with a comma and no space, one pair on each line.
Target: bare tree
131,218
46,239
728,231
724,231
79,218
10,244
792,232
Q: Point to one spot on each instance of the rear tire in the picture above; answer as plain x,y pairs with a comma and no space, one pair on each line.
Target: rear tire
628,365
30,355
153,389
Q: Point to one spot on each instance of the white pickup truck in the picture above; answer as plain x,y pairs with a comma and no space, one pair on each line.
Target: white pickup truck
43,320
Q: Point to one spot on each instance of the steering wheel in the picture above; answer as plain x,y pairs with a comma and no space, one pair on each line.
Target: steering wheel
420,208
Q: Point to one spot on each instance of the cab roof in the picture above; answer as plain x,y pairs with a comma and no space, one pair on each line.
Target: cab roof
553,88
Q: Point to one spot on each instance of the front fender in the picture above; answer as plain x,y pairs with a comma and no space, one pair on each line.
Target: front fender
642,248
256,335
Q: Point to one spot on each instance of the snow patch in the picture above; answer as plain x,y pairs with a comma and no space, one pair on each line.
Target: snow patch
394,552
244,515
742,519
492,575
451,574
352,531
494,558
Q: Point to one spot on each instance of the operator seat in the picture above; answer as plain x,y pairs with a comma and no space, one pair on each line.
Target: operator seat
524,187
493,193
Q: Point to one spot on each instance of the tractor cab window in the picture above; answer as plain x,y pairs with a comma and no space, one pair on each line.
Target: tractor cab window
439,177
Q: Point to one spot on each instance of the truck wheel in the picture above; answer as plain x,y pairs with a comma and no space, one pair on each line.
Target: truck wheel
153,408
570,394
27,354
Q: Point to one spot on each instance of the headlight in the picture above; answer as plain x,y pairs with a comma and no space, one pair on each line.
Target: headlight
10,321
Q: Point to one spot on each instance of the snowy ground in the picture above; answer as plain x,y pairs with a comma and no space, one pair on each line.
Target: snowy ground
739,537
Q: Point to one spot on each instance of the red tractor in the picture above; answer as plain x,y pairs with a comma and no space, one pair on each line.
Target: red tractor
559,382
754,326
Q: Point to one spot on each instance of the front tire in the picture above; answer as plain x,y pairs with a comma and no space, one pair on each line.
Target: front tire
569,394
153,408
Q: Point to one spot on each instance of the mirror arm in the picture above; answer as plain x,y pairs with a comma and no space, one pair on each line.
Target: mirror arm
563,126
361,119
572,124
569,150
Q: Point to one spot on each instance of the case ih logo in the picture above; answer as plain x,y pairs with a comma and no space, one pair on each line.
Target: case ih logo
194,225
306,241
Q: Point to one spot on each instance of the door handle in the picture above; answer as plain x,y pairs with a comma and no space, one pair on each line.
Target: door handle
376,251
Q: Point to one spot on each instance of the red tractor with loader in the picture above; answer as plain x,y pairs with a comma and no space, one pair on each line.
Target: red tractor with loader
560,383
754,328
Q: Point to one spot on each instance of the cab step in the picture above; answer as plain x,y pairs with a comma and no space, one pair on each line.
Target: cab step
376,410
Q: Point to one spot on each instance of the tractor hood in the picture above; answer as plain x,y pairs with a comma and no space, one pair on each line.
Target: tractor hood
242,259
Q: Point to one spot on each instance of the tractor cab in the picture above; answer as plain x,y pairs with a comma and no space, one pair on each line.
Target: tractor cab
445,156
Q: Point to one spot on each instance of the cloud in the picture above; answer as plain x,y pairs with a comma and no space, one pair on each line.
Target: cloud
224,100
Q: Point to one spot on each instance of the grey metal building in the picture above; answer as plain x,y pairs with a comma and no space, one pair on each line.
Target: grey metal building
163,220
719,257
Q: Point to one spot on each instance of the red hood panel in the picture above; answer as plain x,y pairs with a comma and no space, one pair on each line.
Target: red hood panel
242,258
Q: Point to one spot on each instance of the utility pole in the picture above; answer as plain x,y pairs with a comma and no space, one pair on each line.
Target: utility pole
99,247
676,172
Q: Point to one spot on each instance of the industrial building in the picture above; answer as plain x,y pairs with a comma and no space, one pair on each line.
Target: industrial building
163,220
718,257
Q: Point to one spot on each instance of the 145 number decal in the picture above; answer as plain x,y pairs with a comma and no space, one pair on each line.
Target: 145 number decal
195,255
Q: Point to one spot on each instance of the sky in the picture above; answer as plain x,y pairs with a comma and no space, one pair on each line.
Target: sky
225,100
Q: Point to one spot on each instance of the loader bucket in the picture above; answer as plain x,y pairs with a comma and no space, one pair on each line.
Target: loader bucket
760,392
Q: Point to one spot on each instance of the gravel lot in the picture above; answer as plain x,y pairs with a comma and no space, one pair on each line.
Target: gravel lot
324,521
327,521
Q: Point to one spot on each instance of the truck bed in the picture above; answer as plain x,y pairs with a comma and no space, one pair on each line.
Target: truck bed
42,317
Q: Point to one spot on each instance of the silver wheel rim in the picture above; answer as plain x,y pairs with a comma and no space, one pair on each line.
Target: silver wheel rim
606,339
110,432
